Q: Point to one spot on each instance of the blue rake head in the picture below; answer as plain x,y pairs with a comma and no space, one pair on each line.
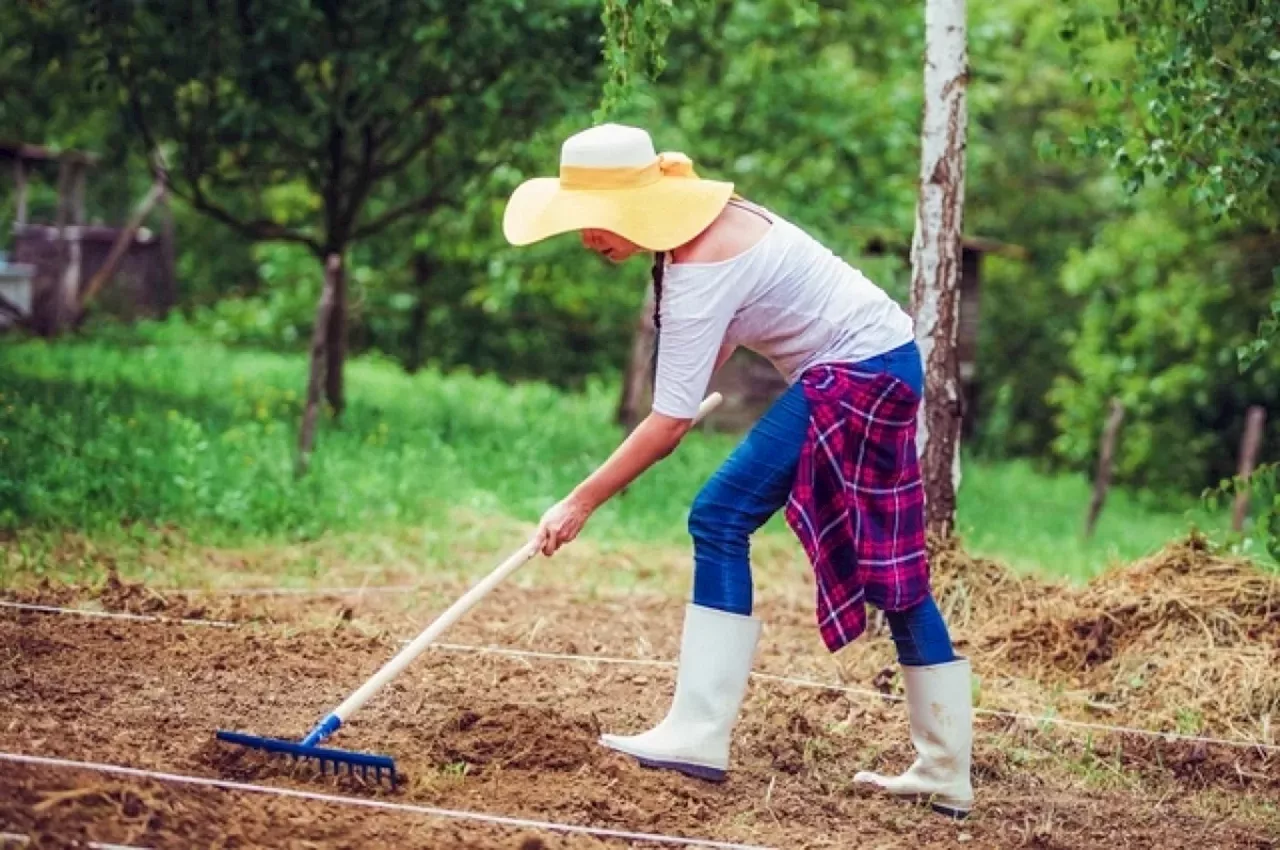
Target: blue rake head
363,762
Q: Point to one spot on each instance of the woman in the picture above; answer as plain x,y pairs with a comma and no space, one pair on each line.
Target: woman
837,449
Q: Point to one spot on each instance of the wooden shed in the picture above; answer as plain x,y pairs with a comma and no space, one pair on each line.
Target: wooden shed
68,261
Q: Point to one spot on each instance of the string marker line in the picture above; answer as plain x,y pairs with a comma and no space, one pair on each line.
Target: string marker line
116,615
1168,737
19,838
344,800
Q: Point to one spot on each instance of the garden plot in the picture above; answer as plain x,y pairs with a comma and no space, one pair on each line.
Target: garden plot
503,723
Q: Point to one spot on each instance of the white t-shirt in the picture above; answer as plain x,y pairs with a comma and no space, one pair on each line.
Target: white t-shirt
786,297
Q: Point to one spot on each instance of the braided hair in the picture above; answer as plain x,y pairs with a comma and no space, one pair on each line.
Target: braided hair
659,267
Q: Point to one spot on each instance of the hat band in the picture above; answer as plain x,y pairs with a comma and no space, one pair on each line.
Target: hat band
579,177
666,165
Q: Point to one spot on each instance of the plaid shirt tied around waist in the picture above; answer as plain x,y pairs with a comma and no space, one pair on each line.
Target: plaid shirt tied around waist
857,504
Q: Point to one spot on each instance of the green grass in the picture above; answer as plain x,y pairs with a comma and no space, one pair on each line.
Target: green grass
1033,521
101,438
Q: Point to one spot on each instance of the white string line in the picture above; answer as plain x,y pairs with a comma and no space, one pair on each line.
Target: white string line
116,615
1168,737
864,692
293,591
92,845
405,588
341,799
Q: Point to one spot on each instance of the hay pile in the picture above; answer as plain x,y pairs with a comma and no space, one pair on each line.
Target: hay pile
1186,640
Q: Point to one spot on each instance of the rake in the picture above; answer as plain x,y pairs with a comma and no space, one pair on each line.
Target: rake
308,747
381,765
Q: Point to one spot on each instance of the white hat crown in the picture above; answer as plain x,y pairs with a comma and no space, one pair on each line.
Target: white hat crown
608,146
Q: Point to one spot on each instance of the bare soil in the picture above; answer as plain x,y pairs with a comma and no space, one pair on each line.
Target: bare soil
517,736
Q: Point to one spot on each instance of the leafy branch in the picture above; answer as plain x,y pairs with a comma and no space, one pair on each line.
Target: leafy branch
636,33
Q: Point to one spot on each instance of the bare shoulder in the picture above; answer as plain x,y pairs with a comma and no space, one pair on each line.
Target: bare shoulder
734,231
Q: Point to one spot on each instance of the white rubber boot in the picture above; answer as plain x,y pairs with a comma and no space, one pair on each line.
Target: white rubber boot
716,652
940,711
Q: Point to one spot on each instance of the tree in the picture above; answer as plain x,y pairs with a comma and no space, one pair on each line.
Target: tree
936,255
381,109
1195,105
1193,102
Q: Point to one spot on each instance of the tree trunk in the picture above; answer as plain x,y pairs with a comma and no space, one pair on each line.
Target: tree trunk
936,256
637,390
319,363
415,342
336,336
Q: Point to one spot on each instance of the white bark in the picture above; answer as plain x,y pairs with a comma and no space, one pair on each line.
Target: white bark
936,253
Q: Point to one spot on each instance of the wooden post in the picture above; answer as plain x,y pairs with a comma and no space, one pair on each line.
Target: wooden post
63,216
75,201
1102,479
69,293
20,184
1249,445
319,363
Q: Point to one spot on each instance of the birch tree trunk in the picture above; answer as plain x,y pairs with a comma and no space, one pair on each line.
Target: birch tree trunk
936,254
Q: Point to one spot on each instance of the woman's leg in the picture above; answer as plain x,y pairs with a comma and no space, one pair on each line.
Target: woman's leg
718,644
752,484
920,635
939,712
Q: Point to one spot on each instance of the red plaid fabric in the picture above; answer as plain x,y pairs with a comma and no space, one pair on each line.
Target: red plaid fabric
857,504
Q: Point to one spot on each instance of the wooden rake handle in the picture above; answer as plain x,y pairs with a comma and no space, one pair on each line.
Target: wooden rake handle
455,611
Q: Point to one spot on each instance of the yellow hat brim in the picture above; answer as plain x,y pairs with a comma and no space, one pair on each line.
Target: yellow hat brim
658,217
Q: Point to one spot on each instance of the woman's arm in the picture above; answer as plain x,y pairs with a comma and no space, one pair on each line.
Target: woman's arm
652,440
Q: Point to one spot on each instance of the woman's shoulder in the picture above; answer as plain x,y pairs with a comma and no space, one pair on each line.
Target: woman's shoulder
732,237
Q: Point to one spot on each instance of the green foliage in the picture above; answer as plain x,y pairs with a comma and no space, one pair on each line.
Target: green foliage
102,438
1199,104
811,108
1166,302
99,435
342,99
1262,489
635,33
1268,331
1027,187
822,125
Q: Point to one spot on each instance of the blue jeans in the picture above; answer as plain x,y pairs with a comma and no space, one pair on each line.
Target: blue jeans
754,483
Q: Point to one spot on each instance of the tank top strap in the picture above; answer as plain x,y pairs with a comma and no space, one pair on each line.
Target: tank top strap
741,203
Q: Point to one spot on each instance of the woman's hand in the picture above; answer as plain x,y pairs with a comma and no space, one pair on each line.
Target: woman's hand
653,439
561,524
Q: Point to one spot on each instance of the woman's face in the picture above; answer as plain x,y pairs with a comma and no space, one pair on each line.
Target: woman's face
609,245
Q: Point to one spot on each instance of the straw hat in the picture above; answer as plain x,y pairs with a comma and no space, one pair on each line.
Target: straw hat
612,179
